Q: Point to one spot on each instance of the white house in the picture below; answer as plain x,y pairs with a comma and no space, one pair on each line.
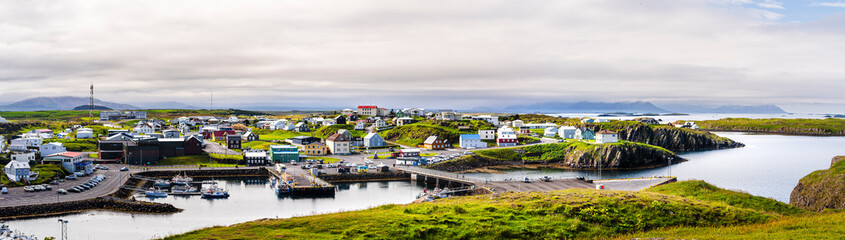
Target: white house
487,134
606,136
550,132
419,112
51,148
21,144
329,122
23,157
84,133
359,125
491,119
339,144
347,112
289,127
584,134
380,123
587,120
19,171
2,144
373,140
145,128
566,132
517,124
471,141
72,161
539,125
3,120
506,136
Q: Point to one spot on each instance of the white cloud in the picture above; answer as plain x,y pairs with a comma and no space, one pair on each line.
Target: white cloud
829,4
772,4
449,54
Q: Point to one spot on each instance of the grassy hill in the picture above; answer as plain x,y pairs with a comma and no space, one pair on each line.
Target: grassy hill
822,189
828,225
576,213
703,191
415,134
327,131
821,127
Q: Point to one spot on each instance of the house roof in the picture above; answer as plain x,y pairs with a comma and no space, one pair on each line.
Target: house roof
337,137
17,165
431,139
44,130
317,143
606,132
367,107
370,135
409,150
470,136
67,154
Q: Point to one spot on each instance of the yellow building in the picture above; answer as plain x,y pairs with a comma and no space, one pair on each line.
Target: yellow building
316,149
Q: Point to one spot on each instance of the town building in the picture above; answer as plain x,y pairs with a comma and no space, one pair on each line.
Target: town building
435,143
233,141
360,125
491,119
340,119
472,141
347,112
114,115
284,153
71,161
145,128
27,156
488,134
23,144
380,123
506,137
51,148
84,133
404,121
372,111
583,133
516,124
372,140
406,153
170,133
566,132
19,172
255,157
550,132
316,149
339,144
606,136
251,136
304,140
647,120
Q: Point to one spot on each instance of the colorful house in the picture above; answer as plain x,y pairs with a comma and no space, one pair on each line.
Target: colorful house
339,144
606,136
472,141
435,143
316,149
374,140
284,153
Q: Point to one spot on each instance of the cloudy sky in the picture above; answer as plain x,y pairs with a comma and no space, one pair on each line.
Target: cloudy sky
435,54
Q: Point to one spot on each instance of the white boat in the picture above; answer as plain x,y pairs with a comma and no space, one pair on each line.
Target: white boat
155,193
184,189
6,233
162,183
181,180
215,192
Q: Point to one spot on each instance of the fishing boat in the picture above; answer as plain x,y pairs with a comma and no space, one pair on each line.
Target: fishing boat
181,180
155,193
215,192
283,189
184,189
162,183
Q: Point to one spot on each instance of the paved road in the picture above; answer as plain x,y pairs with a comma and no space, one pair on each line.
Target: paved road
636,184
17,196
539,186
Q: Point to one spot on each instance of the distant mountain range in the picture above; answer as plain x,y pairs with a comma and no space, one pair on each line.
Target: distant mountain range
87,107
59,103
584,107
71,103
754,109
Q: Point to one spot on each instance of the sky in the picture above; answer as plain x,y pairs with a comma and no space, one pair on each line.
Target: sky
433,54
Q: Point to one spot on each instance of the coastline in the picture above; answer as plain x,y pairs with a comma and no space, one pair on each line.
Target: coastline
773,133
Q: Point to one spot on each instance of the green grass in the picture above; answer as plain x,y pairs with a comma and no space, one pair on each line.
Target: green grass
825,127
46,173
278,135
701,190
46,115
258,145
817,226
76,145
575,213
822,189
226,156
386,155
196,160
327,131
415,134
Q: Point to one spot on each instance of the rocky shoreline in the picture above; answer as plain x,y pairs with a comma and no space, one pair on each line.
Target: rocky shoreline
821,189
103,203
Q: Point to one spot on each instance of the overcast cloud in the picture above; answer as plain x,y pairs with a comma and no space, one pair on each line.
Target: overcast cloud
436,54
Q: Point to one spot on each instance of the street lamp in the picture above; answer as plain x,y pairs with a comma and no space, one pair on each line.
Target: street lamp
64,228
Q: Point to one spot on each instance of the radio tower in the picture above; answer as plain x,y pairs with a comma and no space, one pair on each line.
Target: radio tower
91,106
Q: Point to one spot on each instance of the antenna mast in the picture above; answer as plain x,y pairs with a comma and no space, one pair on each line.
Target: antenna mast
91,109
212,100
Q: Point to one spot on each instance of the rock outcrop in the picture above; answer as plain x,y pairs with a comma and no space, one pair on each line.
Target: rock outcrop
821,189
675,139
105,203
576,155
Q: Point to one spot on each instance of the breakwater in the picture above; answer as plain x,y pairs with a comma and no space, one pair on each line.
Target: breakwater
103,203
361,177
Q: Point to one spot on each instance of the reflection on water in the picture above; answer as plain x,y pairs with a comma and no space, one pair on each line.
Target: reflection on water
252,198
769,165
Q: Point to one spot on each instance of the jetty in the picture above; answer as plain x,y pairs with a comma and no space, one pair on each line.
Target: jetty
303,184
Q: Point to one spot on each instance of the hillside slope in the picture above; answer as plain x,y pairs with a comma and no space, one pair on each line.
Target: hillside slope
822,189
415,134
815,127
59,103
575,213
672,138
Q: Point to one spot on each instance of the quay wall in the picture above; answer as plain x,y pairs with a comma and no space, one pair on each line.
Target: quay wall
365,177
208,172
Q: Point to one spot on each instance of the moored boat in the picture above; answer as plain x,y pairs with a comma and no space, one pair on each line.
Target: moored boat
162,183
215,192
181,180
155,193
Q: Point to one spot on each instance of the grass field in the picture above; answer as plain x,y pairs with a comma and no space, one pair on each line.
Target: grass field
194,160
326,160
825,127
278,135
575,213
259,145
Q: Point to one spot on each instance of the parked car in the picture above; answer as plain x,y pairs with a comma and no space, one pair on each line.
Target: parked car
97,166
39,188
527,180
104,168
74,189
61,191
71,177
28,189
54,182
124,169
48,187
4,190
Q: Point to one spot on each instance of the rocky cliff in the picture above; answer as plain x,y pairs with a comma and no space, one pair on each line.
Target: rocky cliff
577,155
672,138
821,189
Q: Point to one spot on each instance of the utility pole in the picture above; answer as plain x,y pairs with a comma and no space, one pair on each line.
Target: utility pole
91,104
64,228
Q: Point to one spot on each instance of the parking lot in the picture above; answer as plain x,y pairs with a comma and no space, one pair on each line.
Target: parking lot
18,197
